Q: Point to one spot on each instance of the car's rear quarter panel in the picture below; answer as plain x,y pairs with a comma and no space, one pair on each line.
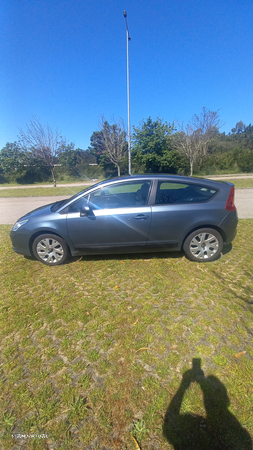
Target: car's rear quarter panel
172,223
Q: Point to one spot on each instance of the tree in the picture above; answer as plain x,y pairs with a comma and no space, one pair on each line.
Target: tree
96,148
75,162
192,140
18,164
44,143
12,158
110,143
151,147
15,162
239,128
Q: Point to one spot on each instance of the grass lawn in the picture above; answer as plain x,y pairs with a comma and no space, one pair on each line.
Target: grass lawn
41,192
98,353
244,183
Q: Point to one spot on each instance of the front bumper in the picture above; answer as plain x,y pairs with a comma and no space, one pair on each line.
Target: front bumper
20,243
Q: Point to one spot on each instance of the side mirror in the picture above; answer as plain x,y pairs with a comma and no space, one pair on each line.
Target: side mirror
85,211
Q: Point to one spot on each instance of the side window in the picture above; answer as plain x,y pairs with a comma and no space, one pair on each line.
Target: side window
76,206
173,193
121,195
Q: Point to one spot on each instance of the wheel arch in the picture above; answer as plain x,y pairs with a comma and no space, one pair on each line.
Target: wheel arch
46,231
199,227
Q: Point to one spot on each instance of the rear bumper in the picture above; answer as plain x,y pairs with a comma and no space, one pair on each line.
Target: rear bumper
229,226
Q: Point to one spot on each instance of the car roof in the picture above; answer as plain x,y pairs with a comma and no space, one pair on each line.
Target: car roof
172,177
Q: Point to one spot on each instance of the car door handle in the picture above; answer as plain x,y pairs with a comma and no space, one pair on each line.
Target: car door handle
141,217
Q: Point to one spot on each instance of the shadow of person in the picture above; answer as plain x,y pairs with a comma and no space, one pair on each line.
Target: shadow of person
219,430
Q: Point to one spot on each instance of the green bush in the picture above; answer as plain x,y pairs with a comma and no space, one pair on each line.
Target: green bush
79,172
33,175
245,160
219,162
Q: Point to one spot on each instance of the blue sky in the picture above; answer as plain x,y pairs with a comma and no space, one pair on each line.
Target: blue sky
65,62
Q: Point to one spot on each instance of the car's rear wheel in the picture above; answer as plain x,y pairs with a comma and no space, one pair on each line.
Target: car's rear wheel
50,249
203,245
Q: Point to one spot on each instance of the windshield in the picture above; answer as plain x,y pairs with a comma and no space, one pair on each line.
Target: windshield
61,203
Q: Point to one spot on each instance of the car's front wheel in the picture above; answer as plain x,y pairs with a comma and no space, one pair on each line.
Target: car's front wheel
50,249
203,245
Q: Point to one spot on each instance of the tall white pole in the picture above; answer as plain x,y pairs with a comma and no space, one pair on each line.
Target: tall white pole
128,99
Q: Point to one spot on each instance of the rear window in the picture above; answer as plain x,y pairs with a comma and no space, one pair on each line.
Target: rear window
169,192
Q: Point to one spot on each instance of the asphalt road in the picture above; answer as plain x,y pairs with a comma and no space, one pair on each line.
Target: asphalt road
11,209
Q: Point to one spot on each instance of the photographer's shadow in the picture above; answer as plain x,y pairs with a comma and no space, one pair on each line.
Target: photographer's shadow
219,430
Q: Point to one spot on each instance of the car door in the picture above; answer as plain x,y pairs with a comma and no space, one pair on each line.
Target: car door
119,217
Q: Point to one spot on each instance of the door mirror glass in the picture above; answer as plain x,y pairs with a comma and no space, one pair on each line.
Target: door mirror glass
85,210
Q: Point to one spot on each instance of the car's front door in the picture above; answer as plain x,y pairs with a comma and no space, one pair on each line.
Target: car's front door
118,217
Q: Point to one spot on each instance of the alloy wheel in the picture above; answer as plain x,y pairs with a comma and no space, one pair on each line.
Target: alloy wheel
204,245
50,250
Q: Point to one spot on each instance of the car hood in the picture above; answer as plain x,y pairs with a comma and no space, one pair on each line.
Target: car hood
38,211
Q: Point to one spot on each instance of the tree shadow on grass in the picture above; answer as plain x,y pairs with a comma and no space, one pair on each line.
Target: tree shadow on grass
246,291
219,430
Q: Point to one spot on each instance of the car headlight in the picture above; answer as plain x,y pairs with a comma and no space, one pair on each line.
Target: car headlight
19,224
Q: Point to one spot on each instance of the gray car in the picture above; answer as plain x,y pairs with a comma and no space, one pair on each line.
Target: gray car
132,214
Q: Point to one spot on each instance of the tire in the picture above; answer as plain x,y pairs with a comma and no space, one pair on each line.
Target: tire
203,245
50,249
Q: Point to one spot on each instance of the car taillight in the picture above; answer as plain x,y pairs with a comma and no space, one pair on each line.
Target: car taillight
230,206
